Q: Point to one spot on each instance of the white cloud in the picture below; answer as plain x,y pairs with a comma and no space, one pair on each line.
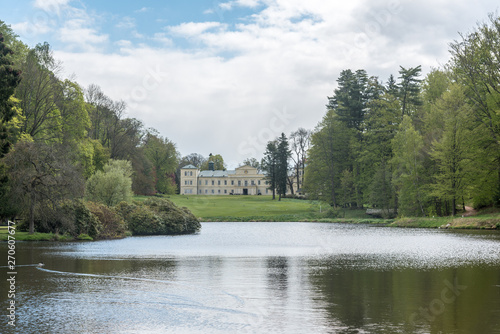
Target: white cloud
191,29
77,35
51,6
223,96
239,3
126,22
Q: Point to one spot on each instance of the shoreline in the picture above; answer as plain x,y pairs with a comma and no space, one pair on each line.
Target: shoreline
452,223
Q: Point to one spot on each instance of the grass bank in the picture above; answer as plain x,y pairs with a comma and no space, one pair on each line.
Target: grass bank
263,208
25,236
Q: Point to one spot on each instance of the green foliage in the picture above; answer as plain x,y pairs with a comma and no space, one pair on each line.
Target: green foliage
156,216
217,160
408,169
163,155
112,224
328,157
112,185
454,152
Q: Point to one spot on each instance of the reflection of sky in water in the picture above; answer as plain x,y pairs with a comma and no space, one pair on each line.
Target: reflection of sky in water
370,245
250,277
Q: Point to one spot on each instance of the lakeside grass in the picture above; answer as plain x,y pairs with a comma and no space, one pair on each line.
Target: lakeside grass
263,208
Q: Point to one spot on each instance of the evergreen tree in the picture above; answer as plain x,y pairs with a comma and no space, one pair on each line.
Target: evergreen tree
409,89
9,79
283,155
270,166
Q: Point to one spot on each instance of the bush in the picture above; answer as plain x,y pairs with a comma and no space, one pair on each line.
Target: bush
113,226
157,216
143,221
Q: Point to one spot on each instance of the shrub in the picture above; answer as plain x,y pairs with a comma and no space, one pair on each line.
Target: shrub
143,221
158,216
113,226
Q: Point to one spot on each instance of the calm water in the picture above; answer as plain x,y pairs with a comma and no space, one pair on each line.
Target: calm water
262,278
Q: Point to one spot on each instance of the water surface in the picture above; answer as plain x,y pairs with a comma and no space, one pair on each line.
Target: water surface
263,278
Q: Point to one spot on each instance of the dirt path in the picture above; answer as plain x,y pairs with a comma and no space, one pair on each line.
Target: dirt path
469,211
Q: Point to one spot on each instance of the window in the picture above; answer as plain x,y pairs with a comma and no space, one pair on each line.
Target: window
267,190
218,183
225,182
232,182
213,191
225,191
191,182
258,182
199,191
185,183
246,183
218,191
239,183
253,182
190,173
185,173
206,191
199,182
213,182
206,182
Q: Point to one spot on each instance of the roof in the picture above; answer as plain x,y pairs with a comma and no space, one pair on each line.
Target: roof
215,173
189,167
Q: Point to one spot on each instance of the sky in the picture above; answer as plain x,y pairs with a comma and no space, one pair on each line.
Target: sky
225,77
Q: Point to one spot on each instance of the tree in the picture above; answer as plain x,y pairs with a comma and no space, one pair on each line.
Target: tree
9,79
270,164
162,154
328,157
194,159
40,177
112,185
217,160
282,157
409,89
38,94
252,162
350,98
407,146
300,142
475,62
453,153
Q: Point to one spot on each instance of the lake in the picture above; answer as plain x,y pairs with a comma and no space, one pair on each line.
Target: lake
262,278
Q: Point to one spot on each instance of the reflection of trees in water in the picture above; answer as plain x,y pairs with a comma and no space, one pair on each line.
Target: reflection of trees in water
277,274
409,300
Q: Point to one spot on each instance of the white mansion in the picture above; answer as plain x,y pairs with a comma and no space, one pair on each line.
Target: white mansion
244,180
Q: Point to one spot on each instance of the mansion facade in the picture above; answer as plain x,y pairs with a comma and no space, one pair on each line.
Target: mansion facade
244,180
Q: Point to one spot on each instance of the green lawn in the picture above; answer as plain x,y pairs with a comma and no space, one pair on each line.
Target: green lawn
236,208
242,206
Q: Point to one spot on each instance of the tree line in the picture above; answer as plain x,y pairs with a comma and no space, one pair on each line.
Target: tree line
60,142
414,146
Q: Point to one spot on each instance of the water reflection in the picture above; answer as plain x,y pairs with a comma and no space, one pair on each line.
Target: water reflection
263,278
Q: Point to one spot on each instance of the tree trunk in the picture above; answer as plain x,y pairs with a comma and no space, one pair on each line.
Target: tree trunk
32,213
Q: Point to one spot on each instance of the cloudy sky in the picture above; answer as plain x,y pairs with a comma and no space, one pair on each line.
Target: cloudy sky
227,76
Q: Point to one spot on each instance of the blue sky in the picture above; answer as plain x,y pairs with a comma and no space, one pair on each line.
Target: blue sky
227,76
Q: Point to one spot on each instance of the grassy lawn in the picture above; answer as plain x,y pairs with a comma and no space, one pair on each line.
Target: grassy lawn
242,206
248,208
